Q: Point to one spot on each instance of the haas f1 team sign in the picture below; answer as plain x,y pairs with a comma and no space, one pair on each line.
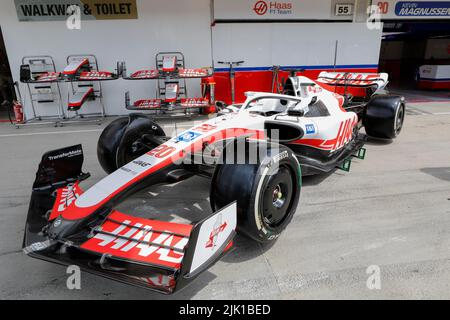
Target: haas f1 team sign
279,9
60,10
263,7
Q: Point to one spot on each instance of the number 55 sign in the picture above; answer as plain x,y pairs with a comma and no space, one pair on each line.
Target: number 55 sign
343,9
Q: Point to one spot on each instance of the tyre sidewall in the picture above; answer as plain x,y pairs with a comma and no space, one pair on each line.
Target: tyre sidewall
380,116
254,221
108,143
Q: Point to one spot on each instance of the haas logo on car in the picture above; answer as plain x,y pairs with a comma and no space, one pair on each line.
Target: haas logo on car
219,227
139,239
64,198
68,195
354,79
345,133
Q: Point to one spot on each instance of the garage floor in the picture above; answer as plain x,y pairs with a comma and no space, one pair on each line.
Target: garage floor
392,210
422,96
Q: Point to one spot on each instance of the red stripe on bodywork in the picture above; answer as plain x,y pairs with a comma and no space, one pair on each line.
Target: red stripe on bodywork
341,138
64,198
344,134
74,213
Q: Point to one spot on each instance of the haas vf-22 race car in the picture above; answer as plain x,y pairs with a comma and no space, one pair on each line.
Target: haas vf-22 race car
254,155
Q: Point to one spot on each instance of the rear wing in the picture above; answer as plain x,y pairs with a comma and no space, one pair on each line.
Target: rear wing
379,80
358,85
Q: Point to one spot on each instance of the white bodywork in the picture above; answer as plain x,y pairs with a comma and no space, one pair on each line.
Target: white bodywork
328,133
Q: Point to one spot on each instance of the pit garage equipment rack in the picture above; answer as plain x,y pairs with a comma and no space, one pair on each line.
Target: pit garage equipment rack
84,84
171,90
42,81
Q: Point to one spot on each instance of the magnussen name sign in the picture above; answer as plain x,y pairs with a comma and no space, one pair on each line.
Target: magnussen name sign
417,10
423,9
57,10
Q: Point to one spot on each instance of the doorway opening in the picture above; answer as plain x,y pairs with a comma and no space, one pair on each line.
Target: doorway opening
7,94
407,46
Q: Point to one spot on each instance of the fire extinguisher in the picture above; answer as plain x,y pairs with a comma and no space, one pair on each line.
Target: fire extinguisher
18,111
208,91
17,105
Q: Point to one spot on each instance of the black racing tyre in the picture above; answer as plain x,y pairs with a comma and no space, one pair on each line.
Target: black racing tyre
117,144
108,143
267,193
384,115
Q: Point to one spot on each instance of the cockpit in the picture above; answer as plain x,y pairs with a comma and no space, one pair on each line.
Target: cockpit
305,99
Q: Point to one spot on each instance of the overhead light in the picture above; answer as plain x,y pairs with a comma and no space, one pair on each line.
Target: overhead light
437,37
392,33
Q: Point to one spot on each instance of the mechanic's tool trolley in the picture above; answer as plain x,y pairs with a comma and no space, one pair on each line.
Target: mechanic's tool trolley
171,90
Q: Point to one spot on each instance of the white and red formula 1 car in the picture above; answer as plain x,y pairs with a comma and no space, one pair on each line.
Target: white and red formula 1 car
255,156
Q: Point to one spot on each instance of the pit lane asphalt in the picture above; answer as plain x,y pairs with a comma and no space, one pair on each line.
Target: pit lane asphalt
392,210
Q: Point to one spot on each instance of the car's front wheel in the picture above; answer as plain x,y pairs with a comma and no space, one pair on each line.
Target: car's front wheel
267,192
120,141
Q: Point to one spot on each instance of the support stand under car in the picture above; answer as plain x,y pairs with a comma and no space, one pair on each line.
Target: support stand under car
84,84
40,76
171,90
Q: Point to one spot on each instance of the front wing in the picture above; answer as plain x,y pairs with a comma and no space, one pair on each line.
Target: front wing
158,255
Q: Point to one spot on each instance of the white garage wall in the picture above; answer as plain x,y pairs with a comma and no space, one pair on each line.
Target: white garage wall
169,25
183,25
296,44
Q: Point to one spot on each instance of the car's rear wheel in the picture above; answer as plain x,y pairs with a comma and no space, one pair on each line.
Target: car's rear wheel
384,116
267,192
